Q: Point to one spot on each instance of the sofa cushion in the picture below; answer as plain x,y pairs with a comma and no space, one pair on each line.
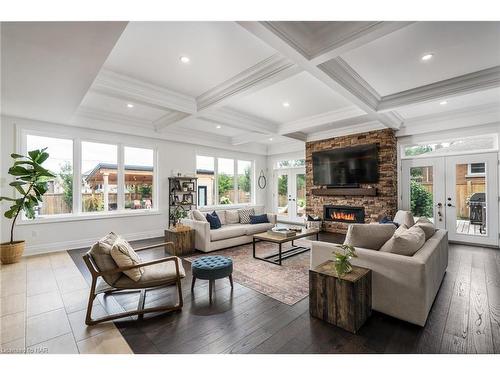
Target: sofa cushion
232,217
369,236
258,219
228,231
101,255
214,220
405,241
404,217
258,228
222,216
124,256
427,226
198,216
244,214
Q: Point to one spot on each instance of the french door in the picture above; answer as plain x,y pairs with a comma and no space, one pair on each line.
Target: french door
290,194
458,193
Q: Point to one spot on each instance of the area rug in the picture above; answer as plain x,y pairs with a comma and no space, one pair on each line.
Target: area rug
288,283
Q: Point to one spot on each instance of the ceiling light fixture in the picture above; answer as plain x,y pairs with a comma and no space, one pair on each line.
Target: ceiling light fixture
184,59
218,127
427,56
286,104
444,102
130,105
270,139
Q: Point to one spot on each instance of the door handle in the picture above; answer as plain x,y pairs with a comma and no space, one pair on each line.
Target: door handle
450,205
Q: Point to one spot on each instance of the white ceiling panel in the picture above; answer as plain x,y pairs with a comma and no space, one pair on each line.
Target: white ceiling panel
151,51
393,63
456,103
210,127
119,106
305,95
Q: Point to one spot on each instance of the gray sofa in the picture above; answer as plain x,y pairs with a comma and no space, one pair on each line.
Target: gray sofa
228,235
402,286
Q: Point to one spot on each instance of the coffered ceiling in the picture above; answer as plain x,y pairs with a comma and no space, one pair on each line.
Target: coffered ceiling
267,86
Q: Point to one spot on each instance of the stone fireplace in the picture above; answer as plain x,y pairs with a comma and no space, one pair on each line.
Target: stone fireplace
384,202
344,214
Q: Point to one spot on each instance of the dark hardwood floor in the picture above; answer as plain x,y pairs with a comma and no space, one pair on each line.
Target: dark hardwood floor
465,317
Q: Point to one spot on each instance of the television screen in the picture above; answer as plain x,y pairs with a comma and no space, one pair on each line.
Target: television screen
346,166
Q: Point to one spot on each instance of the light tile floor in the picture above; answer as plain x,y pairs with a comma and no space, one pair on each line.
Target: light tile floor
43,301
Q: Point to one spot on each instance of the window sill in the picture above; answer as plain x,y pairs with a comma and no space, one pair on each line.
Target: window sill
87,216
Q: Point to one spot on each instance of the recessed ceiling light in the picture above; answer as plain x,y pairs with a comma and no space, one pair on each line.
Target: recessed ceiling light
218,127
427,56
444,102
270,139
286,104
130,105
184,59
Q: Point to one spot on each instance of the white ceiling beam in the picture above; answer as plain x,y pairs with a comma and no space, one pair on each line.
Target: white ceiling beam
358,39
265,73
121,86
250,137
239,120
456,86
264,31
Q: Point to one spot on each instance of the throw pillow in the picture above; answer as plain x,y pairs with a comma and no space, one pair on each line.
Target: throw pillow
368,236
198,216
232,217
101,254
404,217
125,256
427,226
386,220
222,216
214,220
259,219
405,241
245,215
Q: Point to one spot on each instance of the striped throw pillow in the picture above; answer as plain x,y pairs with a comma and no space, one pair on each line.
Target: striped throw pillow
245,215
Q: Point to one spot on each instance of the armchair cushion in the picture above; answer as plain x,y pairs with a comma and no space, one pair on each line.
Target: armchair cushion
124,256
404,217
101,255
154,275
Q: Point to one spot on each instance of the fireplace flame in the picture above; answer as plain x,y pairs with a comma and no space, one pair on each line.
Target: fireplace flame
343,216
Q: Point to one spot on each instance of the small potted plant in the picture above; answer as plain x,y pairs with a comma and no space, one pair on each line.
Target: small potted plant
342,259
31,183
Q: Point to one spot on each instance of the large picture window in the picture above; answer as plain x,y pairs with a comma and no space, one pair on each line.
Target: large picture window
59,197
97,178
223,180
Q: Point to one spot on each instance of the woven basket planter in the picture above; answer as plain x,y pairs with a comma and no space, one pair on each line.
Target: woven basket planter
11,252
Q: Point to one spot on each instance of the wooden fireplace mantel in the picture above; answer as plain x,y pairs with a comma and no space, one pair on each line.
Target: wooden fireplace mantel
346,191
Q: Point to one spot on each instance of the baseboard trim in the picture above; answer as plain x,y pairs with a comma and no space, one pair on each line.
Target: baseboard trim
77,244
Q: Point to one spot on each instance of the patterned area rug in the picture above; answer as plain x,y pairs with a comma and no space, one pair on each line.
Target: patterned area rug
288,283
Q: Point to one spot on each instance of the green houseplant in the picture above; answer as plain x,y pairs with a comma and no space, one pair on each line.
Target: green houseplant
30,180
342,259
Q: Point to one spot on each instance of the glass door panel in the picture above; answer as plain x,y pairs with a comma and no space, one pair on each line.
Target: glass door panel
421,192
300,193
282,196
472,198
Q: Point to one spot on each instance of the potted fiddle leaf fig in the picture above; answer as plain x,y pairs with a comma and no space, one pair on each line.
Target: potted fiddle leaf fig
30,181
342,260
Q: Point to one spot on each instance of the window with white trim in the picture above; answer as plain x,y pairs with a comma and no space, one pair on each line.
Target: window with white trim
108,177
224,180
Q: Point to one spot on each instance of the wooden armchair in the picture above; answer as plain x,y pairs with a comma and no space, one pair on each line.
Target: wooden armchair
157,273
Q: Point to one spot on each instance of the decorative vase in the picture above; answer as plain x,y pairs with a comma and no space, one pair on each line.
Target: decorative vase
11,252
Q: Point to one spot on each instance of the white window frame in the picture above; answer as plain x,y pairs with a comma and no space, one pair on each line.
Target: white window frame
475,174
78,213
235,179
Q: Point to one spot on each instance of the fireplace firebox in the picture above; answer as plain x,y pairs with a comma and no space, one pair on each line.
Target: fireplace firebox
344,214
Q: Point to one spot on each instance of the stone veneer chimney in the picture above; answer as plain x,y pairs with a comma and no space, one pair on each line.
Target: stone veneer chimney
385,202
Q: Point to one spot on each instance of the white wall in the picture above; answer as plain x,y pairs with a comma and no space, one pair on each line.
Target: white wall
67,234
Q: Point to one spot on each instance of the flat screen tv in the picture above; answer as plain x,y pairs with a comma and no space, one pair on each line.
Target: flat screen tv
348,166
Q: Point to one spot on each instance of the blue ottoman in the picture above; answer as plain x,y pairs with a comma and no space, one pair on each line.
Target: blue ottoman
212,268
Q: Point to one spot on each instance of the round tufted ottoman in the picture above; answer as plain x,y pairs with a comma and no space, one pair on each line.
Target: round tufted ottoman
212,268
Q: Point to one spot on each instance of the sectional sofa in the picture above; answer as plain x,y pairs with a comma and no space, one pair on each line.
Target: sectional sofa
402,286
231,233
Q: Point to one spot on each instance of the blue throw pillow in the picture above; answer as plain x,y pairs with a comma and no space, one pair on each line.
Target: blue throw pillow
258,219
386,220
214,220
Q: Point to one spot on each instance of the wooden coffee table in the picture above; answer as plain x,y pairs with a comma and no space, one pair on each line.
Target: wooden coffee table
281,255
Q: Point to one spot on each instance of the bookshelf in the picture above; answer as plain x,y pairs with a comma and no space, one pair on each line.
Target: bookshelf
183,196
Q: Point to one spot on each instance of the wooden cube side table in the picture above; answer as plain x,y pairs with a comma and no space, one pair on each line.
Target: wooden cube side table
183,239
345,302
